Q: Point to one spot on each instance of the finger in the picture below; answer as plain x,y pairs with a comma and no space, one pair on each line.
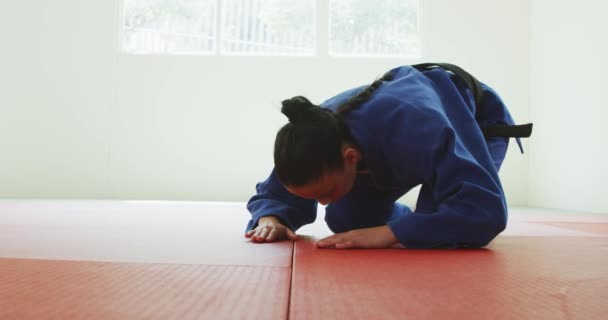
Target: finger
330,241
398,245
324,243
273,235
292,235
257,237
263,235
265,232
345,245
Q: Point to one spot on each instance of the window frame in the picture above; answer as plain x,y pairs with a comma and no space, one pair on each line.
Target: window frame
321,36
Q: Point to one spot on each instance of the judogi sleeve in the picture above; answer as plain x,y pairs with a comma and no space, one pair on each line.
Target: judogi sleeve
461,203
272,199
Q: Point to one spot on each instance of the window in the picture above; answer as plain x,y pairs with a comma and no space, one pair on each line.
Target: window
271,27
169,26
374,28
267,27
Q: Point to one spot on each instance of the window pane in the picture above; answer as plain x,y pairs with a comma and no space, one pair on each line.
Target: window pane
267,27
169,26
374,28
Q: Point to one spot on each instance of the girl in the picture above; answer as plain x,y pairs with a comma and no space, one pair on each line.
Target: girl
431,124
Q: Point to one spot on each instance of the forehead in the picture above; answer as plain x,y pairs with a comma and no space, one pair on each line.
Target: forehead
314,188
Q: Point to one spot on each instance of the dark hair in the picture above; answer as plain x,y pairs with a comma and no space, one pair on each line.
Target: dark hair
310,145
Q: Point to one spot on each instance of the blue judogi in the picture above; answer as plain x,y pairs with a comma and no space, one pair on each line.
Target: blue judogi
420,128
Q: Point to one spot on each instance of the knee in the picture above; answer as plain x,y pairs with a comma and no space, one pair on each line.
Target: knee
335,221
498,149
345,218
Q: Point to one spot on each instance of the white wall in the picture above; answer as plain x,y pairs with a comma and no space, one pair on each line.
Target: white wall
568,162
79,119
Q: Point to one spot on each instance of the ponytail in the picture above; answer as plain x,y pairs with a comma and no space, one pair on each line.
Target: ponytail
363,96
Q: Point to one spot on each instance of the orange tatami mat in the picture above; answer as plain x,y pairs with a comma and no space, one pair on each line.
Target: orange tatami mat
590,227
134,231
515,278
533,271
189,260
137,260
42,289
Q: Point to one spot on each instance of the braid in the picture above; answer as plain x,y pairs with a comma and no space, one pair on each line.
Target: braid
363,96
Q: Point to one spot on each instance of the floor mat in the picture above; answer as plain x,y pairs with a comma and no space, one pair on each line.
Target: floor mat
40,289
514,278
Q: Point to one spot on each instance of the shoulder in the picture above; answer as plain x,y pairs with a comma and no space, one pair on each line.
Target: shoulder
334,102
399,75
405,104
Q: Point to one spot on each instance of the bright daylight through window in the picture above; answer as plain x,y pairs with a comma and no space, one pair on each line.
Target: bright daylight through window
271,27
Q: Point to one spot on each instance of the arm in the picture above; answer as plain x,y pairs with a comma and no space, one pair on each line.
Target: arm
461,203
273,200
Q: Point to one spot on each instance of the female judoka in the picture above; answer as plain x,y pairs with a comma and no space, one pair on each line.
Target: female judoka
432,125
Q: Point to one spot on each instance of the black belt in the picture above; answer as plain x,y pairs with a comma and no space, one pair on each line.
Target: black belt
506,131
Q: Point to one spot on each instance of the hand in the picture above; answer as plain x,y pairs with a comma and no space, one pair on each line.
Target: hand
270,229
368,238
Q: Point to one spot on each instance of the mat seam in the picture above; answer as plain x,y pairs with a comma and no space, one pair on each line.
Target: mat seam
291,276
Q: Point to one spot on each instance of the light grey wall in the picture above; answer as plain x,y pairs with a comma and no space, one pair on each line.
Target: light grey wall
80,119
569,156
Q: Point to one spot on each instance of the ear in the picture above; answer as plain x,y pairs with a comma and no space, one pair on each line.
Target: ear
351,155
